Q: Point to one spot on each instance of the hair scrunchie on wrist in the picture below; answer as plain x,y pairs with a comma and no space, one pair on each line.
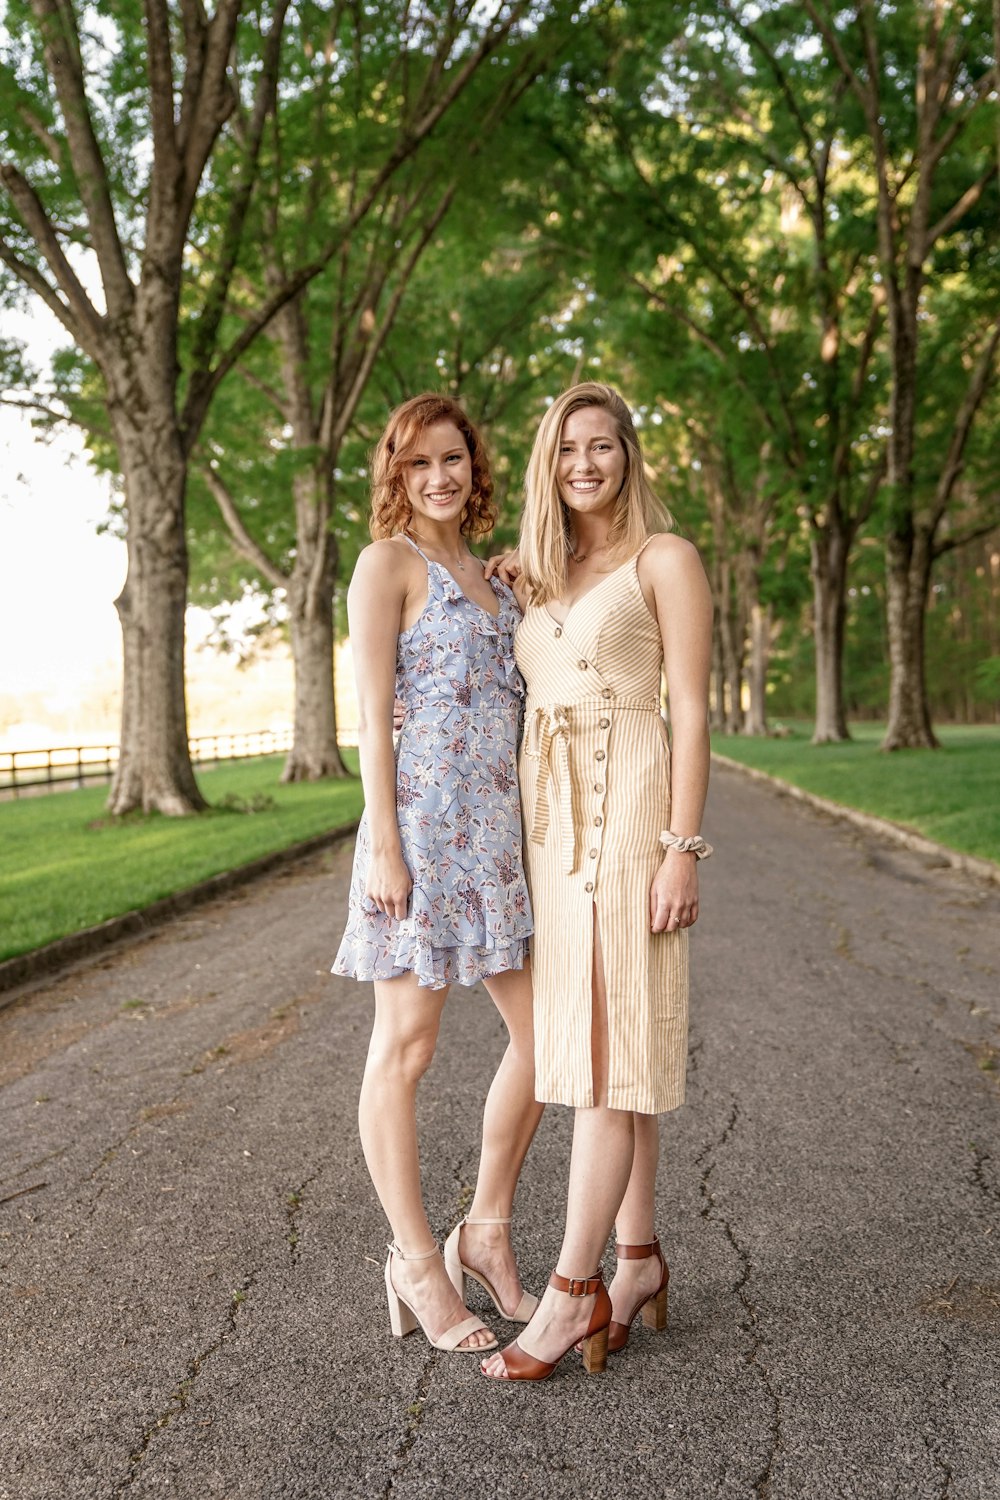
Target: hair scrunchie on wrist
693,844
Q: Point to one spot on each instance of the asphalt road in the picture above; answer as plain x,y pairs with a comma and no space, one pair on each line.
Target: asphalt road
192,1253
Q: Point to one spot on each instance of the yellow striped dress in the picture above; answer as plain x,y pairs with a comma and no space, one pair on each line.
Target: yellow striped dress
595,794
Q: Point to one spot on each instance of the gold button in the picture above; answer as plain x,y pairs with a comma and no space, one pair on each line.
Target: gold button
599,755
582,665
593,853
605,692
589,886
605,724
558,631
598,822
598,786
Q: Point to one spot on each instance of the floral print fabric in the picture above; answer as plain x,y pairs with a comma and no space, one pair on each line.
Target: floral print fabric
457,802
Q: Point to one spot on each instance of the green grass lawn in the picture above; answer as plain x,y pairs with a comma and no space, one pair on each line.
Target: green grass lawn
951,795
64,866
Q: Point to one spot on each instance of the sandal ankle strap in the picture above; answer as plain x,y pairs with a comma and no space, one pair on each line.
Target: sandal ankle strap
394,1249
576,1286
638,1252
469,1220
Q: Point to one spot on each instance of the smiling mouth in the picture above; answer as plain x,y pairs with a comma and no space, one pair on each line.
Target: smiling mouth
441,497
585,484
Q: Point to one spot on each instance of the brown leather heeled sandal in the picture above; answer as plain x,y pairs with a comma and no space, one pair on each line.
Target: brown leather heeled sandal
653,1305
594,1345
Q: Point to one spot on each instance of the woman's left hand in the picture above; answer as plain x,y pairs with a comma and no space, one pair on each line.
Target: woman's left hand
673,894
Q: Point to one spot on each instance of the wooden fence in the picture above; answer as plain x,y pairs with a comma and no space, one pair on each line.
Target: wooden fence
66,767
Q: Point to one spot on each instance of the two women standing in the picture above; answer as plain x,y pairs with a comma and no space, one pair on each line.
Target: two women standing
613,819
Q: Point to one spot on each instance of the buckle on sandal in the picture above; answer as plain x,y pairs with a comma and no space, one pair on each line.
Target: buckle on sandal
581,1282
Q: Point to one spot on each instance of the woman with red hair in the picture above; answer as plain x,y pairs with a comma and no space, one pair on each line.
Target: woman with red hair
438,893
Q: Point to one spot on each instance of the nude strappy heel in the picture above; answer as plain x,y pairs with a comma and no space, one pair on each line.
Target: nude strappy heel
653,1305
458,1271
403,1319
593,1346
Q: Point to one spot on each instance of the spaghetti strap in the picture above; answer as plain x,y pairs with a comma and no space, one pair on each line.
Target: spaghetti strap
406,537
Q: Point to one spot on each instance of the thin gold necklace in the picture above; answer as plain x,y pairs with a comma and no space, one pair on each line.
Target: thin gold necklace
579,557
416,537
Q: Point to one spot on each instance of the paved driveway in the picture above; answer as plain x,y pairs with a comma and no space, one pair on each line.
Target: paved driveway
191,1250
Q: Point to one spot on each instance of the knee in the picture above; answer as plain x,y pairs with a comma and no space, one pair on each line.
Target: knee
402,1059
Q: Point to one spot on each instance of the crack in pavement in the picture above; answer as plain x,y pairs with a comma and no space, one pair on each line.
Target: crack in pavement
293,1205
750,1325
415,1416
931,1446
180,1399
978,1176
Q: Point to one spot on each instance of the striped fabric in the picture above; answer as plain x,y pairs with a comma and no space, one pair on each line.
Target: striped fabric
595,794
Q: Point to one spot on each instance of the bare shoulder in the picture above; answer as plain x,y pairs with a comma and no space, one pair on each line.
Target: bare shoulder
385,563
668,558
675,587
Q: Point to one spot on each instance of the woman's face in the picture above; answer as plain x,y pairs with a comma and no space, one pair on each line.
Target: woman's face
438,474
591,466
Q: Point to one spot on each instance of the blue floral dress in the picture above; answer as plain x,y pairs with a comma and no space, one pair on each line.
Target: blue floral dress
457,801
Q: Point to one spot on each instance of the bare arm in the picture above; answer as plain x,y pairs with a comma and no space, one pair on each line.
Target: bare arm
675,586
382,584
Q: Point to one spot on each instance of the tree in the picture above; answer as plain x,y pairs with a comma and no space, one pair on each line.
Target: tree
304,381
124,132
921,75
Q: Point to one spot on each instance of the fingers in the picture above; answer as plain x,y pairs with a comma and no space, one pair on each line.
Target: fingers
492,565
668,916
393,904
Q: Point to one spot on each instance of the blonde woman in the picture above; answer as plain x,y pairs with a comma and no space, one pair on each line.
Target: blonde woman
438,895
613,815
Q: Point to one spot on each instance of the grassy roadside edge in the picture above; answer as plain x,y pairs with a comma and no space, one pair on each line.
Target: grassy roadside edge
142,921
897,833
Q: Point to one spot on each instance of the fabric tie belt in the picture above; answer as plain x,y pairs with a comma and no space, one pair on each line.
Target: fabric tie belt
547,736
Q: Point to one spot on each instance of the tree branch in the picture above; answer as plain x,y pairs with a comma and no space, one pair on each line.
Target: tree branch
57,24
979,381
87,322
248,547
971,195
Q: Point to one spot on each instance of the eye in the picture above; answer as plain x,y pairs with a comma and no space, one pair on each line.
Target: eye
416,463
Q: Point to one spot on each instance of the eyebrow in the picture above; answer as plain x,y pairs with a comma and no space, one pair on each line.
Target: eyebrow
599,437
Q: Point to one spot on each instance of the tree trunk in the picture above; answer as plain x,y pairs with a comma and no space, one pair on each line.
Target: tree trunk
828,551
908,573
154,770
716,702
755,721
315,753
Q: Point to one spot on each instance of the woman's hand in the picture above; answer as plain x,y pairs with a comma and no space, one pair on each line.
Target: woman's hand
673,894
389,885
507,567
398,714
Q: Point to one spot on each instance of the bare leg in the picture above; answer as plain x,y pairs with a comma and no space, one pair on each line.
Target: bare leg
603,1142
509,1123
407,1018
634,1220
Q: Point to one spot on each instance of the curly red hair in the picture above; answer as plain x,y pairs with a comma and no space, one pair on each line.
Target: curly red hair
390,507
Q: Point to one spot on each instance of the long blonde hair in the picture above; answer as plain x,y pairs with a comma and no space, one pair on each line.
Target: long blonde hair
545,523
